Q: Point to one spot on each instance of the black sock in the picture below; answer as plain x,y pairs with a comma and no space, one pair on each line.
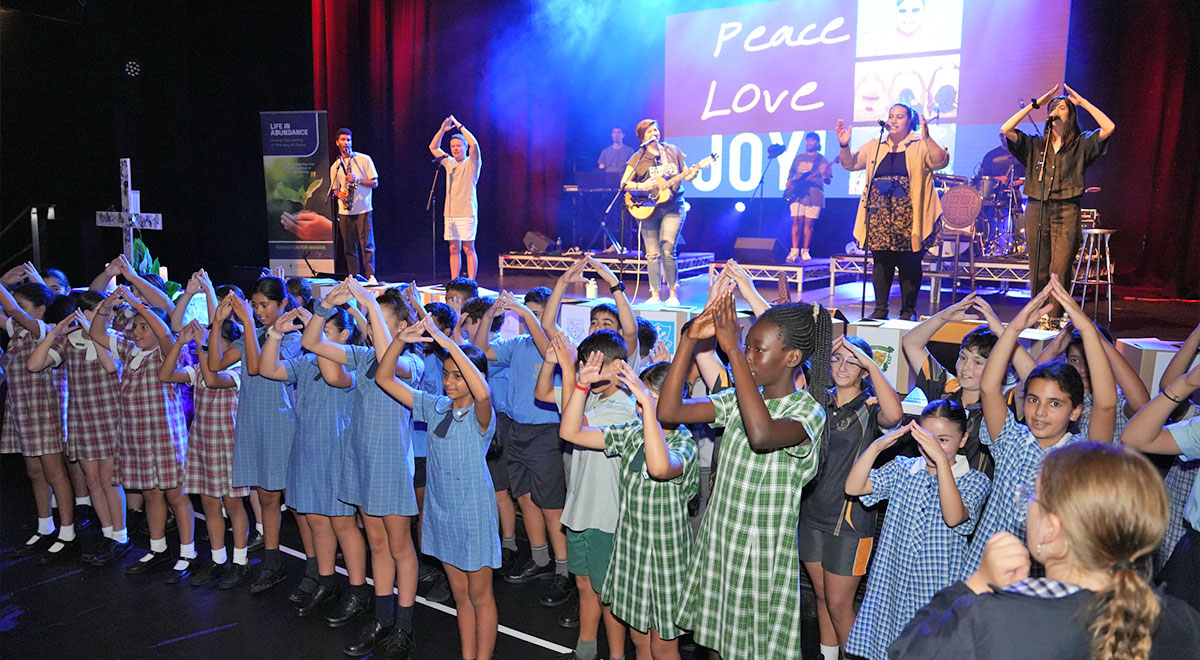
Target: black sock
326,581
363,590
310,568
404,618
385,610
272,558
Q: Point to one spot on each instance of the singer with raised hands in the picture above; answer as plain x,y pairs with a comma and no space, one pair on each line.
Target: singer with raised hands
1054,165
461,217
352,178
657,160
899,210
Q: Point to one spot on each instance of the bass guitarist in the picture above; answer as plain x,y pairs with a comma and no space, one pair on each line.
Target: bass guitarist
655,161
805,194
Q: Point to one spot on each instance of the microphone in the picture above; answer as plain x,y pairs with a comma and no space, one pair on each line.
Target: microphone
439,158
882,123
649,142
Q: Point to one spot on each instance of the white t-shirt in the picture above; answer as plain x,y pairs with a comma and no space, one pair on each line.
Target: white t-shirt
362,167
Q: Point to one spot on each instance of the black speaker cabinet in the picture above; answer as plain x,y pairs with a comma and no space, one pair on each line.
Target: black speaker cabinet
538,243
750,250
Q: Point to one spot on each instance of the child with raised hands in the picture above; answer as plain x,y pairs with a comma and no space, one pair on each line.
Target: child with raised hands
198,284
933,506
1053,400
658,475
153,439
836,530
35,423
460,512
963,385
266,416
93,418
324,400
618,317
377,468
1183,471
1132,394
745,567
208,470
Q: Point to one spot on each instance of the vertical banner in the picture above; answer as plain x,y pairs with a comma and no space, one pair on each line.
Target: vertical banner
296,172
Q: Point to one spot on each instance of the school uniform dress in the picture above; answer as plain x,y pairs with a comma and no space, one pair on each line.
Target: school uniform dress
1018,461
377,468
431,383
742,593
653,542
266,422
93,405
322,428
938,383
918,552
460,523
209,467
35,417
153,442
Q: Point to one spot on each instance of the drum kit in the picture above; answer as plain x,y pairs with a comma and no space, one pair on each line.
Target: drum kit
988,208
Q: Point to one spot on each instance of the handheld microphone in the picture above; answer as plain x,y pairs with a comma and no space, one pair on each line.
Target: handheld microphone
649,142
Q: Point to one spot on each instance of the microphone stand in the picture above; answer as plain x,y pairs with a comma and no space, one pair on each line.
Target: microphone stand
760,192
432,209
862,305
620,191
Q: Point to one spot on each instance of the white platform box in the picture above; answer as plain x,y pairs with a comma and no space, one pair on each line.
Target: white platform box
884,338
1149,357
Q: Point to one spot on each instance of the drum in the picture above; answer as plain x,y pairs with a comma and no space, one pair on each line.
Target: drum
944,182
988,187
960,208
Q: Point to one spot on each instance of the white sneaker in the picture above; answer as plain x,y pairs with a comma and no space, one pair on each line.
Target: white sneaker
805,256
793,255
672,301
653,300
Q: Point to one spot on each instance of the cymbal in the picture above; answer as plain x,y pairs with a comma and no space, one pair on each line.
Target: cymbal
1091,189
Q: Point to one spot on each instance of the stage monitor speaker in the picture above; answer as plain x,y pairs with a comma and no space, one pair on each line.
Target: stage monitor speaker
750,250
538,243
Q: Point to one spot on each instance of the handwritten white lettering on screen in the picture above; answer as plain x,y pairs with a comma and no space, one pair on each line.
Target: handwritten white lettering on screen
749,95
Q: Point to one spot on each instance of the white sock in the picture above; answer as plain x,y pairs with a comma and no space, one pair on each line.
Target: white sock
80,501
120,536
46,526
829,652
188,550
53,501
219,556
106,532
258,528
239,556
66,533
158,545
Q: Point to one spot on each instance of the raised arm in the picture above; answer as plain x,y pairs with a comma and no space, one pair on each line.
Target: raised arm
625,316
169,371
40,358
916,341
1106,125
435,145
385,375
741,278
560,351
191,289
991,382
213,380
157,325
268,362
313,338
150,293
571,426
850,161
574,273
672,407
1182,360
1022,361
660,462
1009,127
536,332
1146,431
891,410
245,314
858,481
1102,423
954,511
1136,394
483,330
476,382
14,311
219,359
938,156
98,328
473,152
111,270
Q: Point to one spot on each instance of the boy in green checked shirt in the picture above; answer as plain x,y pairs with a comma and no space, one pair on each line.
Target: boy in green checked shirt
659,475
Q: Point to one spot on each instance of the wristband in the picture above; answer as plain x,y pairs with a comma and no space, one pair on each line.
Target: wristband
1033,102
619,286
844,146
1168,395
322,311
271,332
583,388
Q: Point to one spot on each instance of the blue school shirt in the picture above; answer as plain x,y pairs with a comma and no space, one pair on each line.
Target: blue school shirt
497,379
1187,436
524,361
431,383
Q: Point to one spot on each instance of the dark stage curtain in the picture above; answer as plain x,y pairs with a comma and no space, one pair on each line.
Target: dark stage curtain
392,71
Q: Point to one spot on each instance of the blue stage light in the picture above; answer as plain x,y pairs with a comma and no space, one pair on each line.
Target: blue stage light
740,206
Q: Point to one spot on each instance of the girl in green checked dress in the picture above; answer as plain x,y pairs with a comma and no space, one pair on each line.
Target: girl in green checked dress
659,476
742,591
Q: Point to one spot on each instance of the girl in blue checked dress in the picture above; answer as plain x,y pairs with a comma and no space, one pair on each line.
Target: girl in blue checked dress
933,505
324,400
659,476
742,591
460,510
266,418
377,468
1053,404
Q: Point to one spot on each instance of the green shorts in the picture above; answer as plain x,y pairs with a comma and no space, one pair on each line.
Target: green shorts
588,553
840,555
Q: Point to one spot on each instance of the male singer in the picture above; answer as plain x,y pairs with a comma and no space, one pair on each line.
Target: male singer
352,178
462,208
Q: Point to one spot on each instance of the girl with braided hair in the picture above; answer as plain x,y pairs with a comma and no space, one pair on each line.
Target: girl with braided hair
742,591
1095,515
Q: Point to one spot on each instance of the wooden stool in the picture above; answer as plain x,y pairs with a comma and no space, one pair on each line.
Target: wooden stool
1095,259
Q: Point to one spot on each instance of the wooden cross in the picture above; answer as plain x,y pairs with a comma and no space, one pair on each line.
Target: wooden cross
130,217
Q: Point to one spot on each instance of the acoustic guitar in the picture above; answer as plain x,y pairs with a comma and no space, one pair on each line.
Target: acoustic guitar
641,203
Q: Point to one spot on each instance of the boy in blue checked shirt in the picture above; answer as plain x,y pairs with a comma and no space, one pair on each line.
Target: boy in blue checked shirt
593,493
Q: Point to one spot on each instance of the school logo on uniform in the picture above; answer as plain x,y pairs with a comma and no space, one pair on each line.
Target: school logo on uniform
883,356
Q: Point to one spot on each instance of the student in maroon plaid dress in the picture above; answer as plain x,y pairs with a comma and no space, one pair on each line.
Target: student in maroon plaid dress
93,417
35,417
208,470
153,439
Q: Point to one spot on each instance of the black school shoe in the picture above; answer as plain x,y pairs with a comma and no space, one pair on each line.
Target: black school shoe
110,552
40,543
398,645
140,567
267,578
300,594
559,589
208,573
508,559
256,542
528,572
69,551
315,599
346,610
185,572
235,575
570,618
371,635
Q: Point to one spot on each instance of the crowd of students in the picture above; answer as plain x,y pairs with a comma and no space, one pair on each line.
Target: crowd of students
661,495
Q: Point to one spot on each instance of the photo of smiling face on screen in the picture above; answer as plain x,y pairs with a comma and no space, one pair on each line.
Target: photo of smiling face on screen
899,27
